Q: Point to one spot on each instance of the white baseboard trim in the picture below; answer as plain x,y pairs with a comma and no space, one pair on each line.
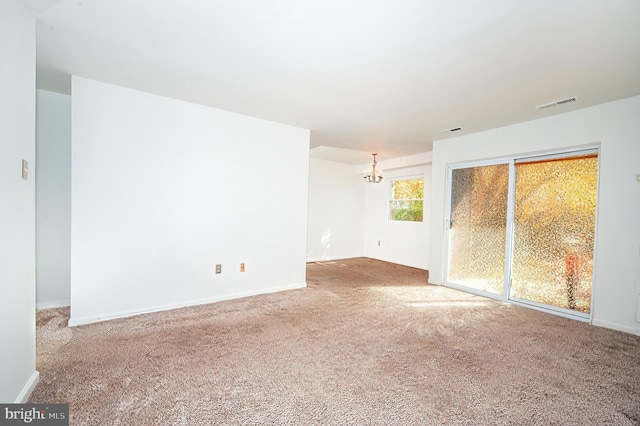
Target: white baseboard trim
53,304
617,327
124,314
28,388
312,259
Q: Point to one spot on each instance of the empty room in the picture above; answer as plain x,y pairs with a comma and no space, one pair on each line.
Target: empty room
305,212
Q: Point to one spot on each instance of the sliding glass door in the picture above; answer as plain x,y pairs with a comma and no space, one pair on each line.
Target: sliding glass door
554,228
524,230
477,227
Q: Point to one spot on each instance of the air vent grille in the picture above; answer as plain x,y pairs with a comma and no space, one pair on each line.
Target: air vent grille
557,103
566,101
453,129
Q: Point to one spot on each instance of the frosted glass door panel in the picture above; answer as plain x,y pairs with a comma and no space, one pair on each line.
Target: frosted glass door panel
477,227
555,211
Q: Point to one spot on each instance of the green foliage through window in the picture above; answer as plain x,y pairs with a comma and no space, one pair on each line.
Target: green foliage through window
407,200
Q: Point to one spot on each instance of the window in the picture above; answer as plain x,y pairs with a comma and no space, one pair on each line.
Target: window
407,198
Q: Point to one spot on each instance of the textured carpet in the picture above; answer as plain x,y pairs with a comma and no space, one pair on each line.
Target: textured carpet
367,342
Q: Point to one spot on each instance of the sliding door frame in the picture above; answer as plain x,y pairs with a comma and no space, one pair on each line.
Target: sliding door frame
447,221
506,294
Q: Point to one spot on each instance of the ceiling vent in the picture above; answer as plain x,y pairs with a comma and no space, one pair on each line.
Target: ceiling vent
557,103
453,129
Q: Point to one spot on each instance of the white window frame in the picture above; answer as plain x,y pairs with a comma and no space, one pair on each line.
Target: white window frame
390,198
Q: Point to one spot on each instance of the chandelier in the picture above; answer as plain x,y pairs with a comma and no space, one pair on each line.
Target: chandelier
373,176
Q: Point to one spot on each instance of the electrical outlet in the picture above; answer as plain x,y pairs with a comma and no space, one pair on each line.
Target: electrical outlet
378,243
242,267
218,269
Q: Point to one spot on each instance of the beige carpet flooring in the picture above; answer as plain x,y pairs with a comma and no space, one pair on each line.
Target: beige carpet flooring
367,343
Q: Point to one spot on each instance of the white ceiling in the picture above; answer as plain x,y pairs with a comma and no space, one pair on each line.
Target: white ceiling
364,75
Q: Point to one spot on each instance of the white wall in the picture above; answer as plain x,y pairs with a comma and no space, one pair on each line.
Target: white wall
616,126
18,375
163,190
335,228
405,243
53,199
